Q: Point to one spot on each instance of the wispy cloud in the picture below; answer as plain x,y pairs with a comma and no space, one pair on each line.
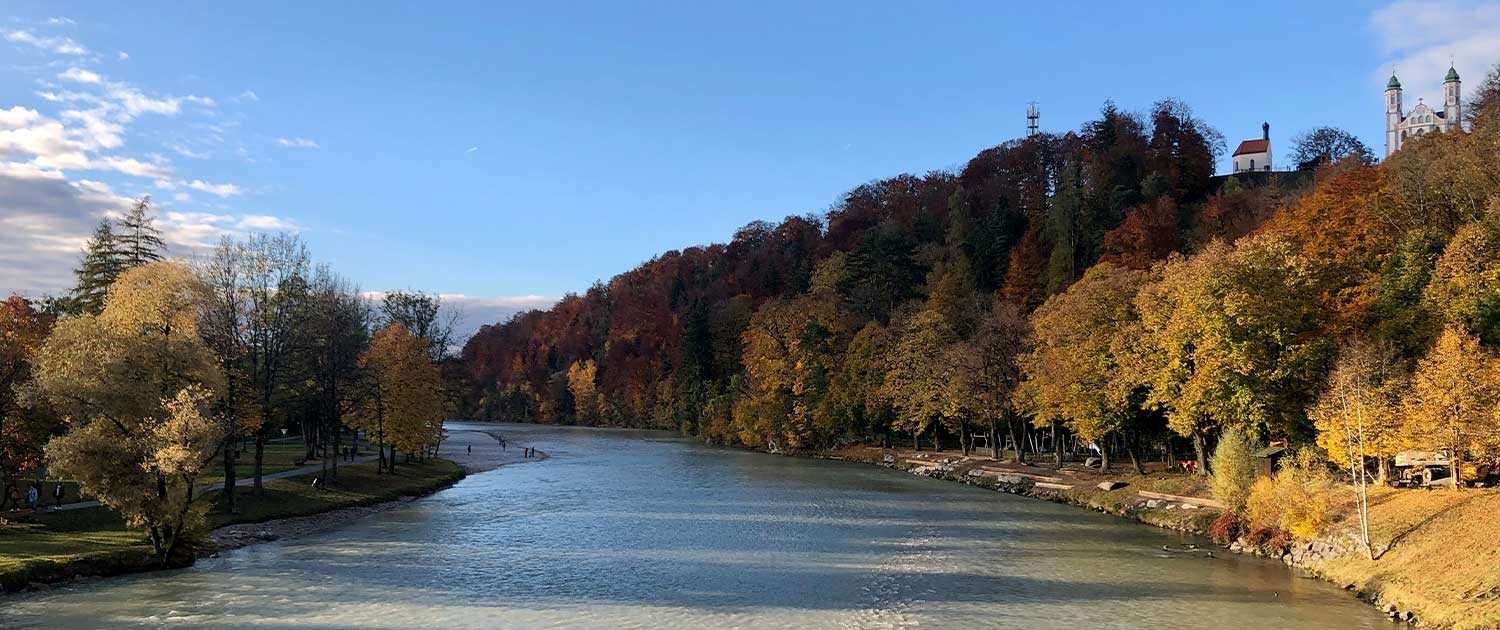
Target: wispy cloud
471,149
80,75
221,190
60,20
1421,37
300,143
248,96
122,56
59,45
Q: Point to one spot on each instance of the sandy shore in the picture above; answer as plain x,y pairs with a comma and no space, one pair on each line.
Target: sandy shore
475,450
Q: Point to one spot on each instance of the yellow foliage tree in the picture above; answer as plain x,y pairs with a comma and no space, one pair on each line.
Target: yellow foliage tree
133,385
1084,339
1451,403
404,404
583,383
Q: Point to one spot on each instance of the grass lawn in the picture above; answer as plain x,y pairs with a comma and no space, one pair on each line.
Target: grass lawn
57,545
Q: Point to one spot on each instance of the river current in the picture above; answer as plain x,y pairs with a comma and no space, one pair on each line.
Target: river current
620,529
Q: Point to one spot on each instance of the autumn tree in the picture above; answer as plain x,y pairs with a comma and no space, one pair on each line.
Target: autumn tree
1451,403
25,425
135,385
583,383
1079,369
987,373
402,402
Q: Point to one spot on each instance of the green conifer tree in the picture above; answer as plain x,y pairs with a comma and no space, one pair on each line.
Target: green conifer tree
102,263
139,240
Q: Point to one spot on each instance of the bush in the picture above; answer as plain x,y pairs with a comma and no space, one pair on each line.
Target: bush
1279,543
1296,500
1225,529
1233,469
1259,535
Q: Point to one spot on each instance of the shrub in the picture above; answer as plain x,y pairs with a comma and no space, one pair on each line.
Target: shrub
1233,469
1259,535
1296,500
1225,529
1279,542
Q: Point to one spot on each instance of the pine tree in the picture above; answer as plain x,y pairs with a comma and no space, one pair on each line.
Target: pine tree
139,240
103,261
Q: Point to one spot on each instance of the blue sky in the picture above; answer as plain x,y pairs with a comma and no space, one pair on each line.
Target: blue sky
508,153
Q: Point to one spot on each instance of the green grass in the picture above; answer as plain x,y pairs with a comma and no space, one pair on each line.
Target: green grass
57,545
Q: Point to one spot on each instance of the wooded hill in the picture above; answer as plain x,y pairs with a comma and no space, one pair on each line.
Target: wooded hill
926,303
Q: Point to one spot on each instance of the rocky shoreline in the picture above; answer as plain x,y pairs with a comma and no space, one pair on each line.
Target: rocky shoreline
1305,557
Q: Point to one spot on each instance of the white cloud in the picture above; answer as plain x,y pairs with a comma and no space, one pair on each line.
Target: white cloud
221,190
122,56
1422,37
58,45
301,143
182,196
471,149
80,75
60,21
248,96
261,222
186,151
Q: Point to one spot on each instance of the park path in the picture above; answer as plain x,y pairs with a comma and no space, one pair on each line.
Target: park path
305,470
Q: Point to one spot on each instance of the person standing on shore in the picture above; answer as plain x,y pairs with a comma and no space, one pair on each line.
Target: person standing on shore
57,494
33,497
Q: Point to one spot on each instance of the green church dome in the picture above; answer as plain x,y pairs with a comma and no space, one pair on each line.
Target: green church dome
1393,84
1452,75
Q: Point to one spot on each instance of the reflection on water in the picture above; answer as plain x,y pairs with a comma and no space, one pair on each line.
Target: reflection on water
636,530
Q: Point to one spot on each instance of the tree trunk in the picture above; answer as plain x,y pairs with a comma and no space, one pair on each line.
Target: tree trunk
1198,448
260,457
916,441
1384,470
230,456
392,461
994,439
1104,455
1135,460
937,445
1056,445
964,438
1015,443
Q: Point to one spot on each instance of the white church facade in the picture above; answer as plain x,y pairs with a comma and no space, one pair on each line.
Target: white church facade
1254,155
1401,125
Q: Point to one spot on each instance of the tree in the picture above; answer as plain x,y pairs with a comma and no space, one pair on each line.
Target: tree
403,403
1357,417
917,372
1483,97
25,425
138,239
275,283
1233,469
1326,145
424,316
987,372
1079,369
1465,284
582,379
102,263
135,385
1452,400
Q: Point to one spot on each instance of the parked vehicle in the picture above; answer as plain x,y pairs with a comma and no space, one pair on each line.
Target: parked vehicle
1433,469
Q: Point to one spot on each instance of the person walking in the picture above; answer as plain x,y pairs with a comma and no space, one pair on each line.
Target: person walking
471,449
33,497
57,494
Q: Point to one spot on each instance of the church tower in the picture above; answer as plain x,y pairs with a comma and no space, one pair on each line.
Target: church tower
1452,102
1393,114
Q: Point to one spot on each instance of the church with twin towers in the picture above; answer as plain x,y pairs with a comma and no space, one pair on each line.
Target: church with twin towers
1401,125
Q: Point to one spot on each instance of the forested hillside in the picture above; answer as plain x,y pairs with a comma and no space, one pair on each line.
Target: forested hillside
1101,283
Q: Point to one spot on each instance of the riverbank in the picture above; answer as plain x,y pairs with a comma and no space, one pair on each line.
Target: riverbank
56,546
1438,560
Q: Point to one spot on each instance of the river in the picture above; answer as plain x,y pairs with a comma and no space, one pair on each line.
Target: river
622,529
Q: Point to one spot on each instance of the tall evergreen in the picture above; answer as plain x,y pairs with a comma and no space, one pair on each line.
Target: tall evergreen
139,240
103,261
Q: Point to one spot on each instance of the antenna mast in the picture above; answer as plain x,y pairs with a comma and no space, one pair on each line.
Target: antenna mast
1031,117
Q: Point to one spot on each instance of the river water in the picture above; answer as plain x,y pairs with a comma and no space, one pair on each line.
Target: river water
642,530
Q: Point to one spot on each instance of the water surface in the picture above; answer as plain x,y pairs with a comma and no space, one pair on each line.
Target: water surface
641,530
